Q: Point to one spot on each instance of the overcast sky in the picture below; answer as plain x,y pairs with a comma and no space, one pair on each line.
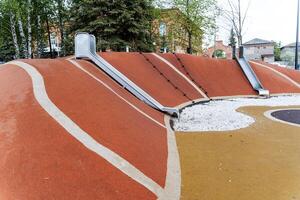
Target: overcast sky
267,19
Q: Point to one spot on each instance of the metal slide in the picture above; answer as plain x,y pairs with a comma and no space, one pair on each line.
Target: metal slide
85,47
251,76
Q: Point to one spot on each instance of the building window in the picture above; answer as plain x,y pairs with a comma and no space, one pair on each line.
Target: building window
53,40
162,29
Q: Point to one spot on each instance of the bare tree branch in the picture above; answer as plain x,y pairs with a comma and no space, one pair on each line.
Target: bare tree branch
236,18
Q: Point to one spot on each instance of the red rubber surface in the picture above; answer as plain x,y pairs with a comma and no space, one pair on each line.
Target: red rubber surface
218,77
275,83
40,160
137,69
293,74
120,90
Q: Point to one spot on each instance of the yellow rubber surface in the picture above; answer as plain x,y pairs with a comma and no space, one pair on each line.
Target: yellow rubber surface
260,162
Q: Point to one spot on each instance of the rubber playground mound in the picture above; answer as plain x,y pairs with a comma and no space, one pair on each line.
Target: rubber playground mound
70,131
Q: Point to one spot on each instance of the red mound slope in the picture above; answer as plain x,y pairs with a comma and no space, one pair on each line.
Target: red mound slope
68,130
40,159
293,74
225,78
218,77
162,82
275,82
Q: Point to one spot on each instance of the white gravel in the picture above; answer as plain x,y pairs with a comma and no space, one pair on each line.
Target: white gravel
221,115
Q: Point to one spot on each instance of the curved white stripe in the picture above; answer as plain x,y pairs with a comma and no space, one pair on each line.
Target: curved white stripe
173,177
83,137
181,74
278,73
110,89
70,58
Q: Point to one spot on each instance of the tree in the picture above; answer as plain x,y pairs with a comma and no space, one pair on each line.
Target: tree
288,58
277,51
61,15
236,18
115,23
7,51
219,54
14,34
8,24
200,17
29,32
232,39
25,24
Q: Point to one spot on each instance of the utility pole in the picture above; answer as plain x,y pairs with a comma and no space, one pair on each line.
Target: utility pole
297,39
240,23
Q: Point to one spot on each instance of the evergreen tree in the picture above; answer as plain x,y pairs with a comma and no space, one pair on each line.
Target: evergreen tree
232,38
277,51
115,23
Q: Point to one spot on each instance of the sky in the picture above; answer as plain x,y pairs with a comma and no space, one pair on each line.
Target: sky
267,19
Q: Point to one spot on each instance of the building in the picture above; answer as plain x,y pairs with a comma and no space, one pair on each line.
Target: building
219,50
289,49
259,49
55,39
287,54
171,35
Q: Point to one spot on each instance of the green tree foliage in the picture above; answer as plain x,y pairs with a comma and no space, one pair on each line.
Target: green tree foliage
200,17
8,12
232,38
219,54
23,26
27,26
277,51
115,23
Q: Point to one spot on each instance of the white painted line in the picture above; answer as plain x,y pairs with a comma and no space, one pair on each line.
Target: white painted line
268,114
70,58
110,89
90,143
181,74
173,178
278,73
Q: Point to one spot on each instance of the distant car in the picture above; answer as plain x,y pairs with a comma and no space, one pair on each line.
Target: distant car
1,62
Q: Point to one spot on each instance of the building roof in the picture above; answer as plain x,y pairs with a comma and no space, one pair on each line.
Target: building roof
291,45
258,41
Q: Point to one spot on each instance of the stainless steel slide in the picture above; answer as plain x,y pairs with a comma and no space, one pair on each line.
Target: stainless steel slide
251,76
85,47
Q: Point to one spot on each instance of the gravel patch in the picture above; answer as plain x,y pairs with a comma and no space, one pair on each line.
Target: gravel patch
221,115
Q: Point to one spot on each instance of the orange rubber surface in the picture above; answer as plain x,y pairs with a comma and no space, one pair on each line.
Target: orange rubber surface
273,82
120,90
40,160
218,77
293,74
142,73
